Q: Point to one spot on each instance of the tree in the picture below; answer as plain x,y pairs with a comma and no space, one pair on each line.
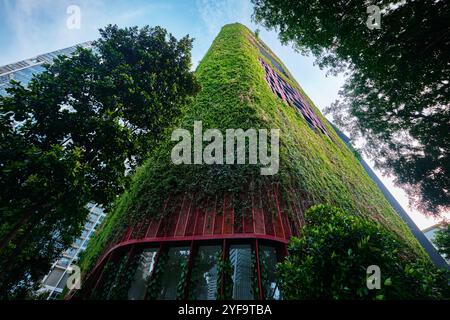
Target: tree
397,94
70,136
331,258
442,241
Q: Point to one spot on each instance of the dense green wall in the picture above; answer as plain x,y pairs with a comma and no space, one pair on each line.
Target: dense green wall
313,168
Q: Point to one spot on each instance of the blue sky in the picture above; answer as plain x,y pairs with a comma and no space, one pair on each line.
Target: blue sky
32,27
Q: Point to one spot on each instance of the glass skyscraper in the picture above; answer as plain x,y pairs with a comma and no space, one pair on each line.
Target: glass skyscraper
23,71
55,281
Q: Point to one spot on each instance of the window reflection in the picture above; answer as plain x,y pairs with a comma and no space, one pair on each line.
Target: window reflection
204,273
267,263
78,242
241,260
63,262
177,259
145,267
208,277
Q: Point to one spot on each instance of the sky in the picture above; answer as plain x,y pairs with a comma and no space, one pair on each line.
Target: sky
32,27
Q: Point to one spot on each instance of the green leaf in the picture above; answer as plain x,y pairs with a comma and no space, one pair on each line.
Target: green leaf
388,282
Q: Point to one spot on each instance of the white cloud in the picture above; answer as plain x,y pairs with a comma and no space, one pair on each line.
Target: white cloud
216,13
39,26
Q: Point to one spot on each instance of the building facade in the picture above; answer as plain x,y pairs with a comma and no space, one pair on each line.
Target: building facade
430,234
23,71
55,281
217,231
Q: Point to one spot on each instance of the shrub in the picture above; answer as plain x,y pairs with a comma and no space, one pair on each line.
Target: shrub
443,241
330,261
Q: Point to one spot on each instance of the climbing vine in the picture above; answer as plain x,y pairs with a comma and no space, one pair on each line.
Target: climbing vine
313,168
269,292
126,273
254,277
107,280
182,280
224,270
154,282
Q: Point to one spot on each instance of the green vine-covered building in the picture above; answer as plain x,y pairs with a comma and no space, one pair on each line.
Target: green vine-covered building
216,231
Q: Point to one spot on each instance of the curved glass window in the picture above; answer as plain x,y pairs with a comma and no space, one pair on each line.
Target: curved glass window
267,264
241,260
205,274
144,269
175,268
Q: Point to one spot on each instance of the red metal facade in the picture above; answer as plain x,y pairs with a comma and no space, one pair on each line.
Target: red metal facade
184,220
214,220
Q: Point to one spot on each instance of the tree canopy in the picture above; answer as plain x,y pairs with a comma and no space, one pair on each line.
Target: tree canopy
443,241
397,93
73,133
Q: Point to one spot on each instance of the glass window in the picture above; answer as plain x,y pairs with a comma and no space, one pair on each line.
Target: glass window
63,281
145,267
97,210
53,277
93,217
71,252
267,265
175,267
89,206
204,273
63,262
89,225
241,260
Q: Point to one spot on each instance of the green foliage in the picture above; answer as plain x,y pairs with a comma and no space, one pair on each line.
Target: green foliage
313,168
69,137
182,280
116,279
203,261
268,290
397,95
154,282
124,276
254,277
225,271
196,279
116,289
330,261
442,240
108,279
